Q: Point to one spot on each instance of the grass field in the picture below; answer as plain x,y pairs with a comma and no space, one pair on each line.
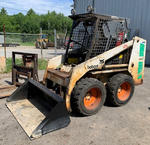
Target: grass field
42,64
22,40
27,44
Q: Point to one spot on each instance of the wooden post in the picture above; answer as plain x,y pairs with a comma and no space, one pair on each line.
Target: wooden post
55,38
41,43
2,65
4,40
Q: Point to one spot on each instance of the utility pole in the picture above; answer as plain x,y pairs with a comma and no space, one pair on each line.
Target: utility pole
4,40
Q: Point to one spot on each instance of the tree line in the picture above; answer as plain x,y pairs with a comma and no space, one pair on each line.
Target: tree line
32,22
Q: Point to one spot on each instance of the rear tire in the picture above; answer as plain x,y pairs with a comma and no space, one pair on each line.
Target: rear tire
44,45
88,96
120,89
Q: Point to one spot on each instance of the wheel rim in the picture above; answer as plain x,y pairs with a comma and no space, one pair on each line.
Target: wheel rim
124,91
92,98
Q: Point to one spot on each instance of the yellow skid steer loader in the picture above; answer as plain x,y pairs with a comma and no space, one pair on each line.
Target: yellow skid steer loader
101,60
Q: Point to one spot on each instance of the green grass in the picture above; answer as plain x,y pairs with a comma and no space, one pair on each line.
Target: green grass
27,44
9,64
42,64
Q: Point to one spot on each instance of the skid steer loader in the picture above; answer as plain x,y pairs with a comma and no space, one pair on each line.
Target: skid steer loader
101,60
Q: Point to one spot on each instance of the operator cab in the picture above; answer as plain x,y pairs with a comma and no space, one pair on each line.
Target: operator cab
93,34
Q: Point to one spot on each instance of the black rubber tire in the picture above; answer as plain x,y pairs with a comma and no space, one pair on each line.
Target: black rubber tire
113,86
44,45
37,45
80,91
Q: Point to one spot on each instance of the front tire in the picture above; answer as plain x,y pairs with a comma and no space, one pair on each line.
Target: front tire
120,89
88,96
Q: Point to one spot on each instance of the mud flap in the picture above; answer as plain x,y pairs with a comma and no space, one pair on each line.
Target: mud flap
37,109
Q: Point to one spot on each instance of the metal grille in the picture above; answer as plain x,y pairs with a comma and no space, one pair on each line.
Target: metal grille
102,43
82,35
95,34
106,36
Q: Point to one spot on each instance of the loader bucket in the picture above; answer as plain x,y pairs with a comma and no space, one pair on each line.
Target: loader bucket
37,109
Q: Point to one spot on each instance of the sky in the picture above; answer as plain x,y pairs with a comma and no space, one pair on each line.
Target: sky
39,6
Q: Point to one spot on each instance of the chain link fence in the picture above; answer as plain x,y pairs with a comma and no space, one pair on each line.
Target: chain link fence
20,39
54,42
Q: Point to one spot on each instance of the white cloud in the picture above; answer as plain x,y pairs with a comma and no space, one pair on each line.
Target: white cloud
40,6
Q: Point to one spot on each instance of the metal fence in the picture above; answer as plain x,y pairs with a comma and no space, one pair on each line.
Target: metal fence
20,42
16,39
22,39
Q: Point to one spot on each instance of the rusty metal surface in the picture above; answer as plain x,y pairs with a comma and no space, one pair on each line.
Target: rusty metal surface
109,71
66,68
53,63
59,77
28,68
6,91
59,73
116,66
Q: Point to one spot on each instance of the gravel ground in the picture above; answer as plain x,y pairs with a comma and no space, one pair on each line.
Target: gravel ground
127,125
47,53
